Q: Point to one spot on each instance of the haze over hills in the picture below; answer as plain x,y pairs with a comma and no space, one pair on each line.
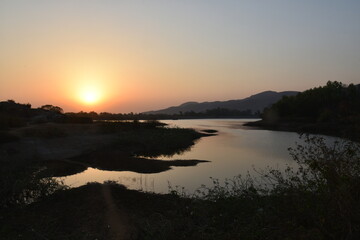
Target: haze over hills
255,103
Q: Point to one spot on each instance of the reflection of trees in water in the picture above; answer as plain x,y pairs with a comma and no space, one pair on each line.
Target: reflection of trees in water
168,152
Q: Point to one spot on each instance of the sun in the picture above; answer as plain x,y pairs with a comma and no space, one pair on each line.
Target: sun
90,96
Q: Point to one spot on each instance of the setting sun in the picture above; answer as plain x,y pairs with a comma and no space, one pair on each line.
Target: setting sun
90,96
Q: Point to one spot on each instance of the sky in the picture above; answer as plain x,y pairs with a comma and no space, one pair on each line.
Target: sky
134,56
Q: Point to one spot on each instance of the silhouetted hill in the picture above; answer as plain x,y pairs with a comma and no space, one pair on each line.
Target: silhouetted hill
254,103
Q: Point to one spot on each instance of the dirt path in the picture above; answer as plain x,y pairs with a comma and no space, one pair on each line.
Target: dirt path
118,221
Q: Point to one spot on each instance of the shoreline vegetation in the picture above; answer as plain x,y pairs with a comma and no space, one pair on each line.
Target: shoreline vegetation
333,109
208,114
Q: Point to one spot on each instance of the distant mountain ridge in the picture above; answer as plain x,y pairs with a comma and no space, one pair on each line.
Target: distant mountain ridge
255,103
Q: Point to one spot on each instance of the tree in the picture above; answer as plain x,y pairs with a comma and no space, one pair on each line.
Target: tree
52,108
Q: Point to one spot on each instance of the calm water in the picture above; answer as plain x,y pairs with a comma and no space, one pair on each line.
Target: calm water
235,150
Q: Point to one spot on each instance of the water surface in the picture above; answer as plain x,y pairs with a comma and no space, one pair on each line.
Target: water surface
235,150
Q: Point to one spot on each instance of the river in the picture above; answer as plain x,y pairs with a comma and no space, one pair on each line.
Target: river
235,150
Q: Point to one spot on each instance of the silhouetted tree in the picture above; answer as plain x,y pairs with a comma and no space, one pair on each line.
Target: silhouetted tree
52,108
332,102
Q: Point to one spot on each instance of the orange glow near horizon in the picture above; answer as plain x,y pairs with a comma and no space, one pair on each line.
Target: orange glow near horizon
89,88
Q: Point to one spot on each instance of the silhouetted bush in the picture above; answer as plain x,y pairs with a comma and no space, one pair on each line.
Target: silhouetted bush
20,184
318,199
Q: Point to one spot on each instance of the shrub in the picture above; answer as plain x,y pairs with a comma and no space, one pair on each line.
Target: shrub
21,185
318,199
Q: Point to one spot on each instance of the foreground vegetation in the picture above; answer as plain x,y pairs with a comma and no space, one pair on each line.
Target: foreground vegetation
318,200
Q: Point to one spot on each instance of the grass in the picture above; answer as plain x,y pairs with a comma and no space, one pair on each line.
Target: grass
150,138
157,142
8,121
136,142
44,131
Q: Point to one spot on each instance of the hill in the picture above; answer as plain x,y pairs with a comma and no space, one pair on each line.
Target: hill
254,103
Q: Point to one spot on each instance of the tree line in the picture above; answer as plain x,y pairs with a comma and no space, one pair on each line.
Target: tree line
330,103
210,113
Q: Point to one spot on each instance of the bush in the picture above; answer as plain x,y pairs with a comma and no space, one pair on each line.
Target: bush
20,185
318,199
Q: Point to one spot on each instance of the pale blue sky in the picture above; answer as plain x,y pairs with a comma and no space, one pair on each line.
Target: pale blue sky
152,54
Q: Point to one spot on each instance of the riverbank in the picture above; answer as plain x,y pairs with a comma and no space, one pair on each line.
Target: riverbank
65,149
111,212
34,154
346,130
33,205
